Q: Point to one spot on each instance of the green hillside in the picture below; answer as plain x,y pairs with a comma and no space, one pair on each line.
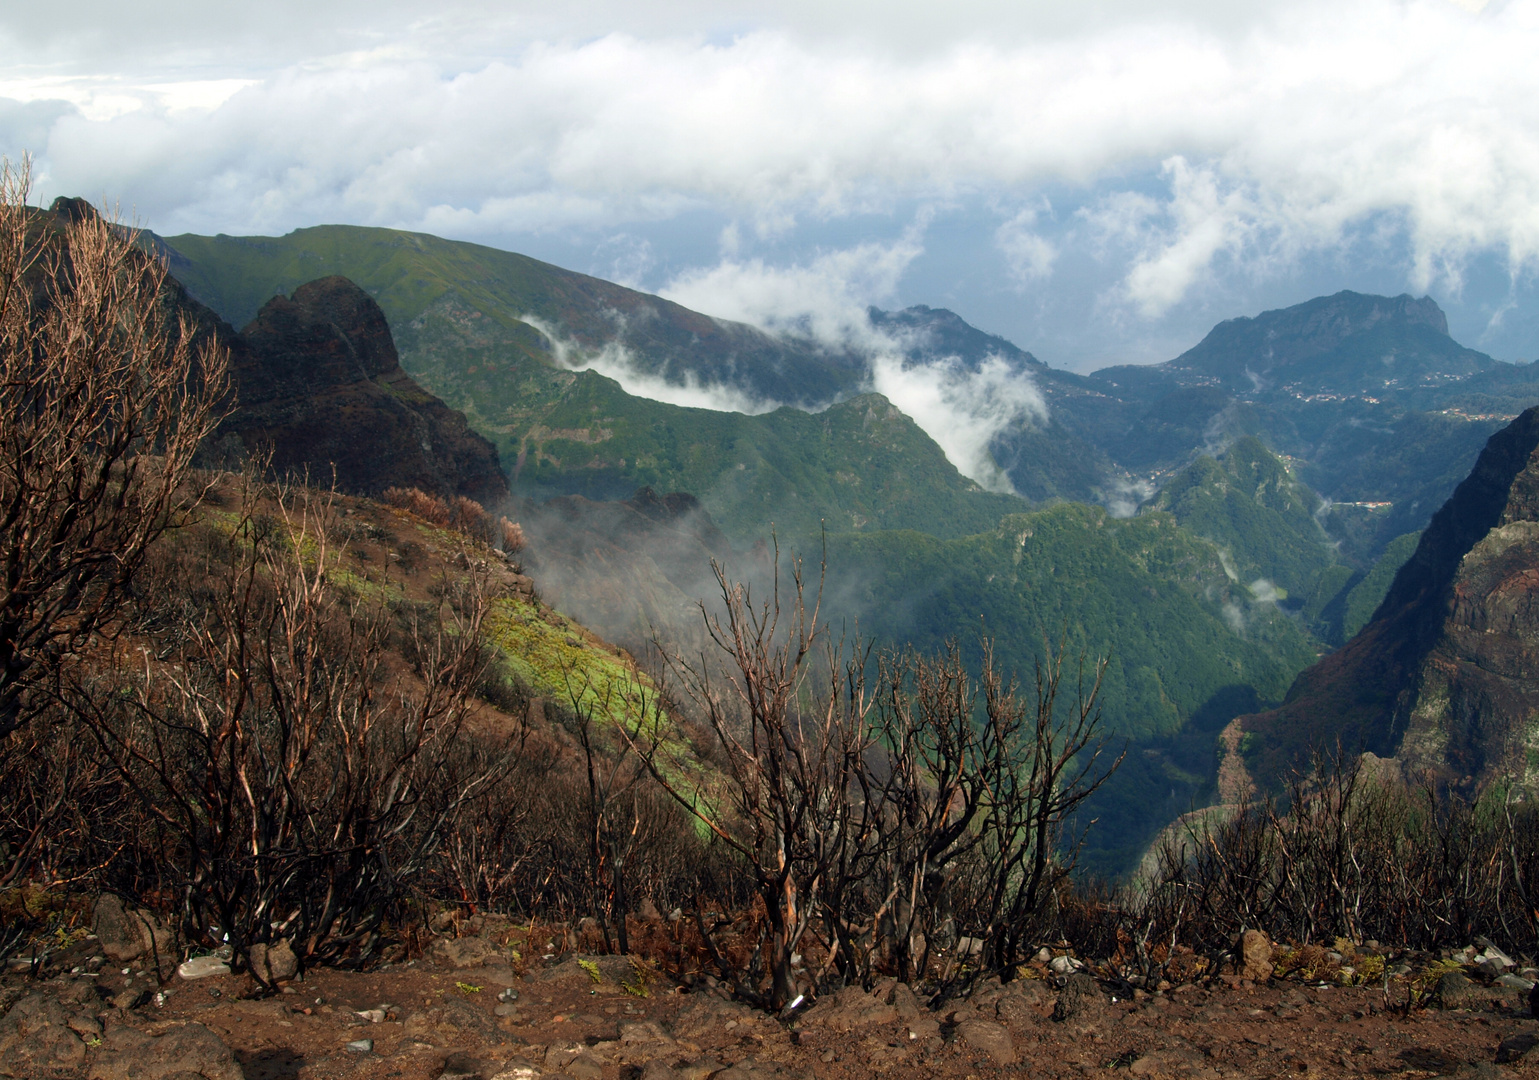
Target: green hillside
857,465
1188,648
1247,503
444,297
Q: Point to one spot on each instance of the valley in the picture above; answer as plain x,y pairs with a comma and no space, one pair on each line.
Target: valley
1252,497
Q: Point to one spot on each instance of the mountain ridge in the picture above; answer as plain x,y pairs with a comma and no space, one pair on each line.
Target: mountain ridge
1442,679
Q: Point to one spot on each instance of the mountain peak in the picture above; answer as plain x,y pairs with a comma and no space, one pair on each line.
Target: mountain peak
1346,343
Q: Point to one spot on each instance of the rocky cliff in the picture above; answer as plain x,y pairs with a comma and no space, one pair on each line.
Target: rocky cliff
1445,678
317,380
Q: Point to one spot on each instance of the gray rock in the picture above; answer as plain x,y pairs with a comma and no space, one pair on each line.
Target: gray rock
903,999
585,1067
360,1046
517,1069
467,952
127,934
753,1069
1454,991
36,1040
992,1039
201,967
1516,982
852,1008
642,1031
461,1017
1255,956
1480,1070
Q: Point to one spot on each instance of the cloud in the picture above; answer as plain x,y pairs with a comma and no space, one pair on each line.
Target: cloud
825,297
615,361
1029,255
964,410
1123,497
1282,127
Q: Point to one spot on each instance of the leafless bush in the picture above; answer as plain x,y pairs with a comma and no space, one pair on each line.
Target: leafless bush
1353,855
65,814
297,782
885,825
457,512
105,395
512,536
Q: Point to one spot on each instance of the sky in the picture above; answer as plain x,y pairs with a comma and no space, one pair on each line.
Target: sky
1100,182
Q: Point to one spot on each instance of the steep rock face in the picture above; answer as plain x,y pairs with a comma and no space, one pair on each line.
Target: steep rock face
1446,675
318,380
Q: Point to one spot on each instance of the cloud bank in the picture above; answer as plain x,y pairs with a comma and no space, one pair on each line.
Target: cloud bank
1269,138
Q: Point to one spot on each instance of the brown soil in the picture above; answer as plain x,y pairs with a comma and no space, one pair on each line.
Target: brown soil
434,1020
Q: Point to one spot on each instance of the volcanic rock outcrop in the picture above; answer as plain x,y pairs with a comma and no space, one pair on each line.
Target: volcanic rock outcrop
317,380
1445,678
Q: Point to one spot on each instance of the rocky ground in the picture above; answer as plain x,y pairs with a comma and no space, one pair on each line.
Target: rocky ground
463,1011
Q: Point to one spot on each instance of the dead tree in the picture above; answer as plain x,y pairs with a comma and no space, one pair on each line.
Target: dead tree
932,796
300,781
1035,768
104,397
792,741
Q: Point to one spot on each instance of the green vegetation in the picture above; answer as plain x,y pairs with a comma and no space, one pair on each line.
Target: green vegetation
459,310
1344,600
1189,649
1143,592
1248,503
552,657
857,465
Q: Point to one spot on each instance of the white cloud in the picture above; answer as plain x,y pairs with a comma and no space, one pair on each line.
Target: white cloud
1029,255
825,297
615,361
963,410
1283,125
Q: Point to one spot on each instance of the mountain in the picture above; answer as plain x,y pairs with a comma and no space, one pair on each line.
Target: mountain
455,305
1348,343
1187,648
1445,677
1249,504
318,385
1368,396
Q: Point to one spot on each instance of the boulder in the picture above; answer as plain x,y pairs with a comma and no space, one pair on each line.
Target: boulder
1255,956
992,1039
188,1051
274,963
1080,1000
467,952
1523,1047
1454,991
201,967
36,1042
126,934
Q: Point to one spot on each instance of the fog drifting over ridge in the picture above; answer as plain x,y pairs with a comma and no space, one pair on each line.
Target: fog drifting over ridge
1109,171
